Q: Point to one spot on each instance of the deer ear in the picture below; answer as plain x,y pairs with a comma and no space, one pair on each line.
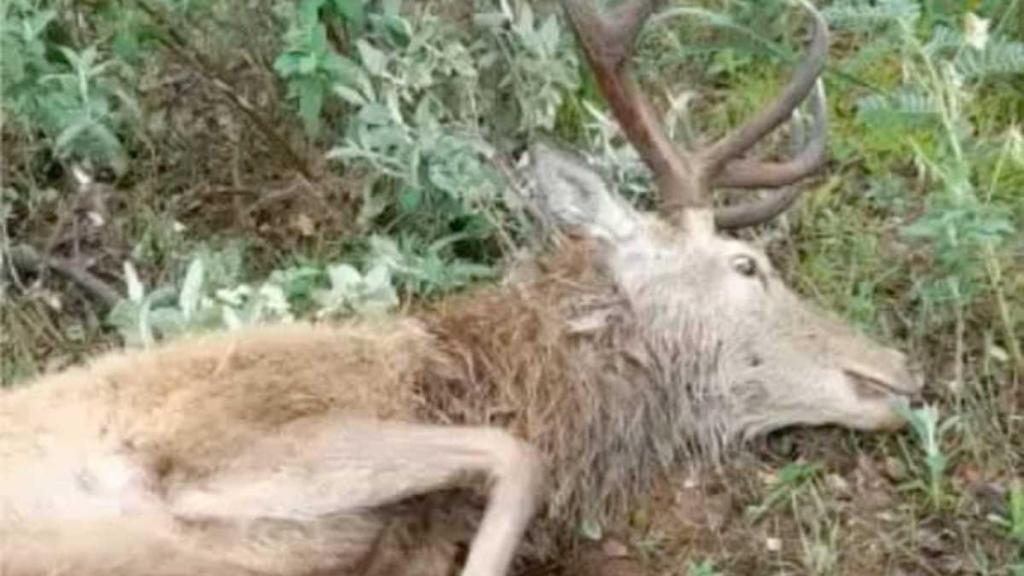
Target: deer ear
576,197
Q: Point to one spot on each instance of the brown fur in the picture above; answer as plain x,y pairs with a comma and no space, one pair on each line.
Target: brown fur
556,367
189,407
185,410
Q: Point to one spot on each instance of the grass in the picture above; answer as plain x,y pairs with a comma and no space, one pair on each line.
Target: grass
187,173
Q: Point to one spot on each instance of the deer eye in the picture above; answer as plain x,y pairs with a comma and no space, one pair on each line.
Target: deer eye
745,265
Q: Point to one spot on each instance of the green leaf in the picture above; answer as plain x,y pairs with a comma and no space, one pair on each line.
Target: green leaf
400,31
109,148
287,63
1017,510
309,11
343,277
548,34
307,64
191,289
410,198
38,22
231,318
349,95
392,7
353,12
591,529
311,101
126,43
71,133
136,292
525,17
349,73
166,321
376,62
318,40
75,60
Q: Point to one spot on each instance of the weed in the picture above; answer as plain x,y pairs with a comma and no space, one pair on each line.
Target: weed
76,96
1014,519
703,568
928,431
791,478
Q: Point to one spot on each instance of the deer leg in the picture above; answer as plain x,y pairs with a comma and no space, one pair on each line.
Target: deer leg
316,469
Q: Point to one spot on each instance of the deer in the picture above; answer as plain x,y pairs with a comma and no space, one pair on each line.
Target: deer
472,432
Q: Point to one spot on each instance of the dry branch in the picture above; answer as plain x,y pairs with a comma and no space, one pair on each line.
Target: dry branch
27,259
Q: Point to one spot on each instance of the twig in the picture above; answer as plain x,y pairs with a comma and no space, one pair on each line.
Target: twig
179,45
995,275
27,259
336,37
894,545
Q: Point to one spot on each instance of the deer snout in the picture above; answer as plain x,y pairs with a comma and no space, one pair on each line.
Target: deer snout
889,375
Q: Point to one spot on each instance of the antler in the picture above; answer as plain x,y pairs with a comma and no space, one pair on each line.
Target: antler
685,178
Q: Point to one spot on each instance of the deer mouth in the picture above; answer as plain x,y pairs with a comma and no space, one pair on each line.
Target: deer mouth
867,386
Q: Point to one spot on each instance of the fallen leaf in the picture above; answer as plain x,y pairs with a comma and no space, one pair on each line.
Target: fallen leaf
304,225
614,548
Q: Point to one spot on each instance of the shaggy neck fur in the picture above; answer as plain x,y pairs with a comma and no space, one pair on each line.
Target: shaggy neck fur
564,360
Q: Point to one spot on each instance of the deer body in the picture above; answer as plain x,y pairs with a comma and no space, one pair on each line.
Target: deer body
148,435
254,451
365,447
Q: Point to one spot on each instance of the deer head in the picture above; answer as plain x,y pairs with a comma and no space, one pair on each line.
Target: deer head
713,314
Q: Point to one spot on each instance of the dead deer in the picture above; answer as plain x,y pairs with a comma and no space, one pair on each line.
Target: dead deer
639,342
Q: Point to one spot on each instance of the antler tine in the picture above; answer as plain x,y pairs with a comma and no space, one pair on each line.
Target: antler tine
736,143
607,42
751,173
746,173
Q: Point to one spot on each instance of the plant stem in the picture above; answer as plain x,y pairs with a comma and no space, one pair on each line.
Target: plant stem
995,275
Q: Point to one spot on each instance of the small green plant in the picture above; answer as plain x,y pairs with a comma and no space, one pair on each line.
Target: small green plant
791,479
145,317
1016,523
1017,511
704,568
76,96
211,296
423,270
819,530
928,431
310,66
1014,519
538,68
352,292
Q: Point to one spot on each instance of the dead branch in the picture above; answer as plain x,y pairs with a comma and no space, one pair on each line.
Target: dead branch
26,259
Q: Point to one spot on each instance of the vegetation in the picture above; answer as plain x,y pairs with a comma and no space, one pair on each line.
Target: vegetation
206,165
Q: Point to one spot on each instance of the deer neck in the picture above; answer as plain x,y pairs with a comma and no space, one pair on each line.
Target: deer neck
560,360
